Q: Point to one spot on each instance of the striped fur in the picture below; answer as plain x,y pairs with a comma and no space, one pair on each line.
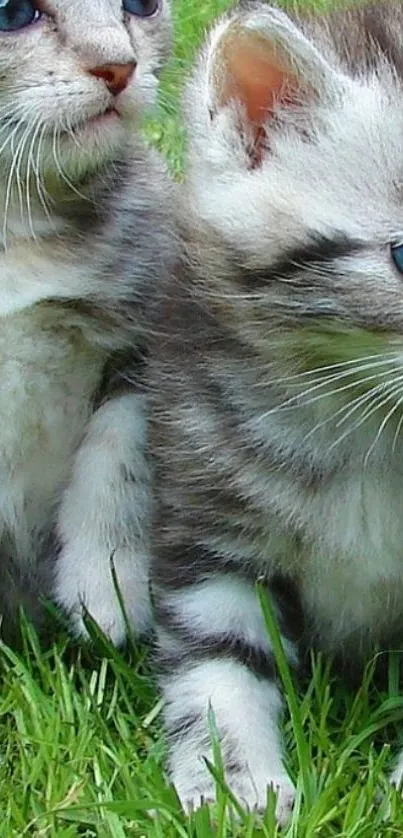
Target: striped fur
277,380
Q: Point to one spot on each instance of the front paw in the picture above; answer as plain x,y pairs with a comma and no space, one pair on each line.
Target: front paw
396,777
89,582
197,787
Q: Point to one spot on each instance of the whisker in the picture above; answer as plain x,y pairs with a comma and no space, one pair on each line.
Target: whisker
14,161
386,358
35,132
397,432
352,406
372,408
22,146
384,422
295,401
60,170
40,188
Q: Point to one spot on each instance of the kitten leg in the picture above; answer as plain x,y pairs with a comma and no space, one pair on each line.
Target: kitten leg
215,653
103,516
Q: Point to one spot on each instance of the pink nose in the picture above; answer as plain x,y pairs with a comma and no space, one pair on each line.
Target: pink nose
115,76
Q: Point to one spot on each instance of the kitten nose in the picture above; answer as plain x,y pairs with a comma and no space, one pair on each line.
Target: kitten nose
115,76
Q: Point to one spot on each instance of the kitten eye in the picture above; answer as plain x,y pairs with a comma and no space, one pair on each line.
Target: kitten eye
15,14
141,8
397,256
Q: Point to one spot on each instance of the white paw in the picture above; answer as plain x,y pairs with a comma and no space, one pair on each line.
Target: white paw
396,777
250,791
86,584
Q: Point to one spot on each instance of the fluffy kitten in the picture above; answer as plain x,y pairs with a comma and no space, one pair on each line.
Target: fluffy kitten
84,238
278,406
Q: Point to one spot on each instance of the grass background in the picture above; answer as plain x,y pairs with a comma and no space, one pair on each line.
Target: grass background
81,747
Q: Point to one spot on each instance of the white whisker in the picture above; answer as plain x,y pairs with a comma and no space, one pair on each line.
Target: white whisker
10,177
384,423
352,406
19,181
41,191
29,169
60,170
385,358
397,432
296,401
371,410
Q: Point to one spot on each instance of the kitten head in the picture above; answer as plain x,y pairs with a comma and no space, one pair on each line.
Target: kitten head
74,74
296,165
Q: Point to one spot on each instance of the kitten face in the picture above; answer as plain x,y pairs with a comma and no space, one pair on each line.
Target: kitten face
59,104
296,163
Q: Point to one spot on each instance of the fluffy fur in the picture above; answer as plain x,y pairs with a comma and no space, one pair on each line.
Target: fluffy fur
277,381
85,237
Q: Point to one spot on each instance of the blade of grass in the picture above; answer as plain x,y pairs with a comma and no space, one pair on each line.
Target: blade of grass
290,693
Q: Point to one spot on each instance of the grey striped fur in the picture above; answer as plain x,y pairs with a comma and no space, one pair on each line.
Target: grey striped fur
277,380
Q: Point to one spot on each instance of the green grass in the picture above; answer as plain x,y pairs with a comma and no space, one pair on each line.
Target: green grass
191,18
82,753
81,746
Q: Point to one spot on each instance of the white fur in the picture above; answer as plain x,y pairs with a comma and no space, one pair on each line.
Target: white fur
42,417
103,516
246,707
31,274
396,777
247,710
224,606
67,171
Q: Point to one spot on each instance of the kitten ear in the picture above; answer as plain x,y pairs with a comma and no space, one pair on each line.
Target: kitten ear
262,60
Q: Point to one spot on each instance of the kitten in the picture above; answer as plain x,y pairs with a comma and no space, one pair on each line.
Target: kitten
277,380
85,235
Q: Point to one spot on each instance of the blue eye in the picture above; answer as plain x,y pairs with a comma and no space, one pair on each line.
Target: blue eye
141,8
15,14
397,256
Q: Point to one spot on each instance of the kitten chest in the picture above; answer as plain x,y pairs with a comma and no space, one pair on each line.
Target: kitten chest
352,575
47,381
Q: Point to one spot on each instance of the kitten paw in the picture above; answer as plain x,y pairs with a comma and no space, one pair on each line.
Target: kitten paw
396,777
250,791
84,584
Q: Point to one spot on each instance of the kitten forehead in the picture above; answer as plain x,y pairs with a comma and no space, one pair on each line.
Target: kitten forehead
94,29
99,12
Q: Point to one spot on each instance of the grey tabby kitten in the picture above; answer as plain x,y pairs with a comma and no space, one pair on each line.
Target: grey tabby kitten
85,236
278,380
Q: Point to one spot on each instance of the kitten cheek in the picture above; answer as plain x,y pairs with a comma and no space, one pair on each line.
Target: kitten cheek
150,94
141,97
147,89
129,111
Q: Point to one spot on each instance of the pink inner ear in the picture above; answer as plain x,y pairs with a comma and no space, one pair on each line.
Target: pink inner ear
254,75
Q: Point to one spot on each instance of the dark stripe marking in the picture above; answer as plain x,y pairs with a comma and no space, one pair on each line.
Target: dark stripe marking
198,650
319,250
184,725
178,566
